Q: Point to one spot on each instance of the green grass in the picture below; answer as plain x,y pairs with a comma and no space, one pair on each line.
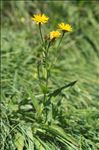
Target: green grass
72,121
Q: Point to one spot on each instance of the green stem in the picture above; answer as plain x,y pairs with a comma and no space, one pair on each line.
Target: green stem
60,40
46,80
41,32
46,48
47,71
41,35
58,47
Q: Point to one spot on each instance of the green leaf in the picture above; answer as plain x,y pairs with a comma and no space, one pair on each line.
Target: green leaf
46,147
35,103
62,136
19,141
58,91
30,139
38,144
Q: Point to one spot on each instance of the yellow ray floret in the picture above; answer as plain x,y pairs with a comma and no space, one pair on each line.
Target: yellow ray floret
40,18
65,27
54,34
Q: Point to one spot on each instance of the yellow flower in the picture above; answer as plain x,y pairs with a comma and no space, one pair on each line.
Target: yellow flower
54,34
65,27
40,18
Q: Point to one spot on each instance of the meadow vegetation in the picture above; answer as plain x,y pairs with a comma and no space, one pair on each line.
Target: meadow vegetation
68,118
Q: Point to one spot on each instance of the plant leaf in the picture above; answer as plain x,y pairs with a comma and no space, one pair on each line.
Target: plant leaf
38,144
34,100
57,91
62,136
30,141
19,141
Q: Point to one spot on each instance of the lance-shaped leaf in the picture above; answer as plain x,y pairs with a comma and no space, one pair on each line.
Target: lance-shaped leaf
58,91
35,103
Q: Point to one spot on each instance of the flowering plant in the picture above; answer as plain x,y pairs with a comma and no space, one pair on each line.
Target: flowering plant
44,66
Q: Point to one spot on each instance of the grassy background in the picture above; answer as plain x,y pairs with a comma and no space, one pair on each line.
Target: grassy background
76,110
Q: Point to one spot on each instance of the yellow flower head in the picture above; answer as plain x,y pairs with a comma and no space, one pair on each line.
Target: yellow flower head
65,27
54,34
40,18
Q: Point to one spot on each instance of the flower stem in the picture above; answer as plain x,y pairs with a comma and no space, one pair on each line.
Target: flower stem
41,34
47,70
58,48
60,40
